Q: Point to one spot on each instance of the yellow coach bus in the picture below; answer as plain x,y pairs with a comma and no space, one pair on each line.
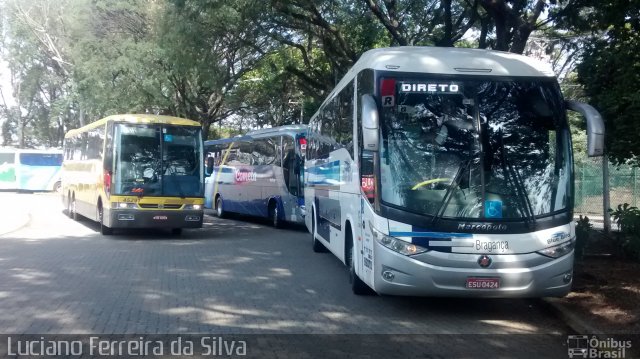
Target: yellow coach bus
135,171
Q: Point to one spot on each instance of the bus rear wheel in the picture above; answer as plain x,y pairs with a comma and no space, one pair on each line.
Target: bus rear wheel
104,230
274,215
68,203
73,212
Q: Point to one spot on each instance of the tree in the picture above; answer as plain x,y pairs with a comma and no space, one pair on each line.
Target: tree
207,48
608,69
34,44
118,59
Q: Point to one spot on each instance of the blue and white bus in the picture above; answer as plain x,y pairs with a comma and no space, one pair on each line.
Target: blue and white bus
30,170
447,172
259,174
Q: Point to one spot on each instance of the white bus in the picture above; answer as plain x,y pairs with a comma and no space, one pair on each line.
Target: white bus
30,170
259,174
446,172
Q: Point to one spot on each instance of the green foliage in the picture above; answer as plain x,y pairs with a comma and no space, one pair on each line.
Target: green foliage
611,75
609,69
216,132
628,221
259,63
583,230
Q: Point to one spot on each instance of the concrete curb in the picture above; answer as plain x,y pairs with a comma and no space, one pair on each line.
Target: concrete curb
11,224
570,317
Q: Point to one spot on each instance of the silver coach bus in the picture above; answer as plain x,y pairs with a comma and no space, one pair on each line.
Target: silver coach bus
446,172
259,174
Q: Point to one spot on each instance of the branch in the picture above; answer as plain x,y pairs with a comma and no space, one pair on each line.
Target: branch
387,23
306,78
40,32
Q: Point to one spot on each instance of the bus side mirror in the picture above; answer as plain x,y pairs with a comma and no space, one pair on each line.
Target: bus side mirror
209,170
370,123
595,126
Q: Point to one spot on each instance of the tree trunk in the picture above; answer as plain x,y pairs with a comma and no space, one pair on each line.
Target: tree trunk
206,126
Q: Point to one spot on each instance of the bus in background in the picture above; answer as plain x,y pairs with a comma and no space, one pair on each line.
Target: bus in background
30,170
259,174
447,172
135,171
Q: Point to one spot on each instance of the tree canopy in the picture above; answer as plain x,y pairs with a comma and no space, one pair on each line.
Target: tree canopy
257,63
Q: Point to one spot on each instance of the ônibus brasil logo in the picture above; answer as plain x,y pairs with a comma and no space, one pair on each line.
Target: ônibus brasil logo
581,346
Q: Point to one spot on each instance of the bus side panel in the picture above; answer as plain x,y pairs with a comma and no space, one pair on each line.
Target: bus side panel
8,170
366,265
38,171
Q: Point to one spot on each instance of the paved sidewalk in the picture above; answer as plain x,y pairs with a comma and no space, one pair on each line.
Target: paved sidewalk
573,318
14,214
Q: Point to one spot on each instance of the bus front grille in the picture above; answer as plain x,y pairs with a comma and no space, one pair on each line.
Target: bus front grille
161,206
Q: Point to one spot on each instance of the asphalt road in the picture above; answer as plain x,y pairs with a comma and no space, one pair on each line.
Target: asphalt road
234,276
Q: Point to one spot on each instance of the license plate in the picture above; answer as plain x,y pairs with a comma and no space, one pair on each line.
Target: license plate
483,283
160,218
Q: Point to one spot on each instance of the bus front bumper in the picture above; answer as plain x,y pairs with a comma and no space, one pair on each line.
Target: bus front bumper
397,274
132,218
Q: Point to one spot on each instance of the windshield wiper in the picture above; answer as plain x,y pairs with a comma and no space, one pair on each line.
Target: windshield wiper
449,193
514,177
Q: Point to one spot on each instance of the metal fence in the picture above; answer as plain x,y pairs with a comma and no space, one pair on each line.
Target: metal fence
623,181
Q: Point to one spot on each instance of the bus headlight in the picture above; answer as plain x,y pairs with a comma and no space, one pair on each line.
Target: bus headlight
398,245
123,205
195,207
559,250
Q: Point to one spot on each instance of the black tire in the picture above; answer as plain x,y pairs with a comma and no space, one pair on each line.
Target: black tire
68,203
317,246
176,231
274,215
219,210
104,230
73,213
357,285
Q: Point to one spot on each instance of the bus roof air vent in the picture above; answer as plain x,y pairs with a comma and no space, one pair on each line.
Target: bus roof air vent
466,69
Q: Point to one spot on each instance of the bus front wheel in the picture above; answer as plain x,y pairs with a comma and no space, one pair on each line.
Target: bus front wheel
57,187
219,210
104,230
357,285
318,247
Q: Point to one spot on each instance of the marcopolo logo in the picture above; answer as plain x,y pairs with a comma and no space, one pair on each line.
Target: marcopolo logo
581,346
482,227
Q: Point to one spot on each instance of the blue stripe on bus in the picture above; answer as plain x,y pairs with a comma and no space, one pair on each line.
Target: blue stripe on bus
431,234
256,207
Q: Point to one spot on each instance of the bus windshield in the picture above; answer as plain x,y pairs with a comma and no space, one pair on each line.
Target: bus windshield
158,160
474,149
